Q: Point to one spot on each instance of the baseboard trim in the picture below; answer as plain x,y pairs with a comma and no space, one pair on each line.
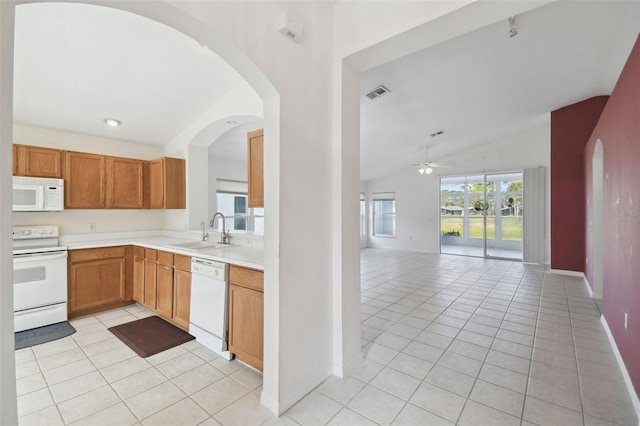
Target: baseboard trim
342,371
565,272
627,379
589,289
574,274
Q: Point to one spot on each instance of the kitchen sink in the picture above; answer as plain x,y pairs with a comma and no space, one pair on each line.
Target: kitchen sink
198,245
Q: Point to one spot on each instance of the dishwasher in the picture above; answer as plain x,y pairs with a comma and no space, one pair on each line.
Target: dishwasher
209,294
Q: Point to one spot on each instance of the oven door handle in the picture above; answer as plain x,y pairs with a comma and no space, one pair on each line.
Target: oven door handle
24,258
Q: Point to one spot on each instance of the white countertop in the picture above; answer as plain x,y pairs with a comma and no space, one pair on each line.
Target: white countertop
250,257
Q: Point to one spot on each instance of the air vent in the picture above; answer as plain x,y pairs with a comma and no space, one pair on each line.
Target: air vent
438,133
377,92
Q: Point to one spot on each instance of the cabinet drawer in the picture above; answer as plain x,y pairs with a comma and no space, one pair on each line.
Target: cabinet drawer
138,252
250,278
96,253
165,258
151,254
182,262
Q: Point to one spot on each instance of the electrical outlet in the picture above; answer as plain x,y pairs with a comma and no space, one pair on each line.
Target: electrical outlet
92,227
626,318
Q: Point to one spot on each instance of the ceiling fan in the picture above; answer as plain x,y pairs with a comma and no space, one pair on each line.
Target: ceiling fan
426,167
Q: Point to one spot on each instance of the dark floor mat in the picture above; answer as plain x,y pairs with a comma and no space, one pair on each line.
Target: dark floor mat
47,333
151,335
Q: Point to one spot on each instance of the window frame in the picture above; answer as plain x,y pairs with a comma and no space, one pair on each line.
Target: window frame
380,198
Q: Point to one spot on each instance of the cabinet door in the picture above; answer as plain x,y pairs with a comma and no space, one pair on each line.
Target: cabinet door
125,183
84,180
167,183
138,280
150,274
255,171
16,168
156,184
164,289
175,184
181,298
38,162
246,319
96,283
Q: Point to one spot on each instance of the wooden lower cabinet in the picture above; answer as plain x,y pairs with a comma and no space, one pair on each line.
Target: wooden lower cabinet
162,283
164,291
181,297
246,315
138,274
97,280
150,284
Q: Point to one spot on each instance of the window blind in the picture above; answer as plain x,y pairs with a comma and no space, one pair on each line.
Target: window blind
380,196
533,215
231,186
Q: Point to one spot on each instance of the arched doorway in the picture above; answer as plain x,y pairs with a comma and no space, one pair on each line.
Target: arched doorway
178,19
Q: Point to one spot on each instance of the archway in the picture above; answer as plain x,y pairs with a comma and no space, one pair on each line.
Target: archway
178,19
597,237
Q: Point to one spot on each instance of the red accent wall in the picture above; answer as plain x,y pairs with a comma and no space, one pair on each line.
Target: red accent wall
619,131
571,127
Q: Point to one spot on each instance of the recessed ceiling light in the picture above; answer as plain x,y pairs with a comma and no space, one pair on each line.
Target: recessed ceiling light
205,47
231,122
113,122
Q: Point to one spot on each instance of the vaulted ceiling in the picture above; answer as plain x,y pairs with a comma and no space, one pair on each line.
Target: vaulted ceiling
485,86
76,65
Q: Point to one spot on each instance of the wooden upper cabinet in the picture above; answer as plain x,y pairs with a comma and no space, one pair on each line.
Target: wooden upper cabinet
126,183
37,162
255,172
84,176
167,183
16,171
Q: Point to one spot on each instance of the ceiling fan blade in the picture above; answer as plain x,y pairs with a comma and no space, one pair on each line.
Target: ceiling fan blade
438,165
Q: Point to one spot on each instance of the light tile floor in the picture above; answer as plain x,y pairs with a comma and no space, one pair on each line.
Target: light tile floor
446,339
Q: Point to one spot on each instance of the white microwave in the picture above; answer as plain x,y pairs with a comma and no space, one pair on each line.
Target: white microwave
32,194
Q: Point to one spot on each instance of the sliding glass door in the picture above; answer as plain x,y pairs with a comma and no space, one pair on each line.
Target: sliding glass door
481,215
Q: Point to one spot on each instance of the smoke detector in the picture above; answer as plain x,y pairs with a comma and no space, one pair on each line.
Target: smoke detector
377,92
289,28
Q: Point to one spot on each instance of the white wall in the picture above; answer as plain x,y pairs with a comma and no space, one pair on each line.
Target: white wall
417,196
8,402
297,127
52,138
312,139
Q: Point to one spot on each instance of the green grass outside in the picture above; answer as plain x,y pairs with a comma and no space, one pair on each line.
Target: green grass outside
511,226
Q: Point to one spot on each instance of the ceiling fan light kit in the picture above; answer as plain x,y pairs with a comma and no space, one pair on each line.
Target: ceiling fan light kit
426,167
425,170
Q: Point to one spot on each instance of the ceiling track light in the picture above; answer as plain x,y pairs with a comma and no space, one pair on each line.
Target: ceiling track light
513,30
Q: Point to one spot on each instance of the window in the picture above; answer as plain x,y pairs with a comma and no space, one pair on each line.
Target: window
384,214
231,201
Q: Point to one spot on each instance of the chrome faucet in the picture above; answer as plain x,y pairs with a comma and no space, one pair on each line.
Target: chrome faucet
224,235
205,237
